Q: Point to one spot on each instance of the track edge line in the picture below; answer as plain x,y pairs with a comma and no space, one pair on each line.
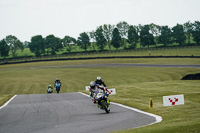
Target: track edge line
5,104
157,117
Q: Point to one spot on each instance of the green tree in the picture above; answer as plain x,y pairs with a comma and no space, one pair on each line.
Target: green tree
37,45
4,49
146,38
92,38
107,31
138,29
188,28
196,32
83,41
165,37
116,38
68,42
178,34
26,44
100,39
73,40
123,29
132,37
155,30
53,44
14,44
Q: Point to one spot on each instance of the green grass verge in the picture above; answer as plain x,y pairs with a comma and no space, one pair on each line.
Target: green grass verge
4,98
134,85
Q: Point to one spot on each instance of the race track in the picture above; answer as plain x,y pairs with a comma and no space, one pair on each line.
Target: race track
116,65
71,112
66,113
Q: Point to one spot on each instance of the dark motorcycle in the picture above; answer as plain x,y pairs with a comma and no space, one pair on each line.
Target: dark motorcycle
57,86
102,101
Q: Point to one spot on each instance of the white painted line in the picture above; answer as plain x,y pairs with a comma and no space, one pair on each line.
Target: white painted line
84,94
5,104
157,117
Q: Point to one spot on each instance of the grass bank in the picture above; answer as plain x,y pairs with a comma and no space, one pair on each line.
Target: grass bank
135,86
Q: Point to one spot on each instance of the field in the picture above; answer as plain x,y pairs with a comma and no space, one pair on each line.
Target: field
134,85
173,51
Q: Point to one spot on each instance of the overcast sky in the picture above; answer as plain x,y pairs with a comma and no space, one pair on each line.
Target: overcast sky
27,18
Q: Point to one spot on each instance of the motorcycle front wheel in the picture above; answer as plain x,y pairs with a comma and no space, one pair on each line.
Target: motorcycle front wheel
57,89
105,106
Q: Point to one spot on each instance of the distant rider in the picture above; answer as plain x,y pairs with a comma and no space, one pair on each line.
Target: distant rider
49,89
100,81
57,81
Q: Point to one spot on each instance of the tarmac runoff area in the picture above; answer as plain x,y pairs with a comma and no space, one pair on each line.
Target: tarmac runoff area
119,65
113,65
105,65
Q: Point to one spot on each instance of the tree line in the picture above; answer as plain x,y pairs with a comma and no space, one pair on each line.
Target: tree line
118,35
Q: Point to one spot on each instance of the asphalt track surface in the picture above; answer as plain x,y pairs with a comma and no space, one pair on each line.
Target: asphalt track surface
116,65
66,113
120,65
106,65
